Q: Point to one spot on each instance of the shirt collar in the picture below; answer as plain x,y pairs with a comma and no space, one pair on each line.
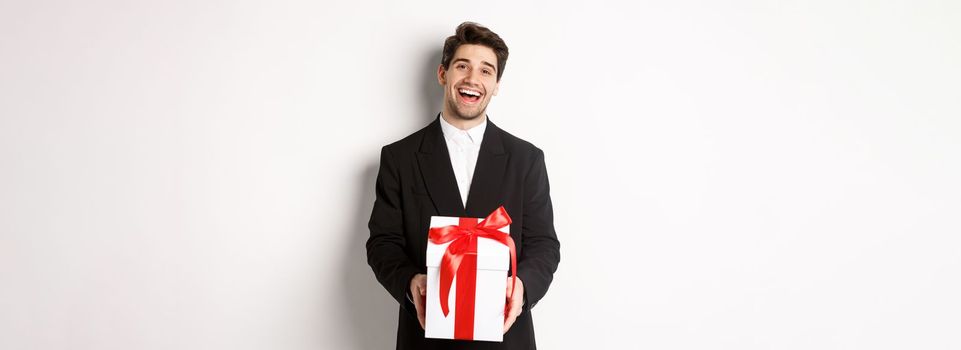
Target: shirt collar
475,135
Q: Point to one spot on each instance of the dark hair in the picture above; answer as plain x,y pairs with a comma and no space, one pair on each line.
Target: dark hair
476,34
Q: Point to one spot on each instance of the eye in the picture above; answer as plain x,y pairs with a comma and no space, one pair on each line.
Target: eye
488,72
461,66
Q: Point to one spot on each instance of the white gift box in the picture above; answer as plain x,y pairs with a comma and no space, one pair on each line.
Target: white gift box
493,260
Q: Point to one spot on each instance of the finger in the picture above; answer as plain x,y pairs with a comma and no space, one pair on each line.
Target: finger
421,318
508,323
421,304
516,306
420,315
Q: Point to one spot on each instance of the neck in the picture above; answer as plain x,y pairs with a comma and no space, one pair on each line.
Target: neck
461,123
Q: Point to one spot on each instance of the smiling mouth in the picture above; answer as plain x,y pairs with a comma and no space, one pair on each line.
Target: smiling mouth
469,95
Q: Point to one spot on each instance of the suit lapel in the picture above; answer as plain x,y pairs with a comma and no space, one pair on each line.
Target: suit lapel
485,191
434,162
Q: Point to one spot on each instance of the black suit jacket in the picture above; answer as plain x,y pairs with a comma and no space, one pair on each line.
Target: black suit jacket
416,181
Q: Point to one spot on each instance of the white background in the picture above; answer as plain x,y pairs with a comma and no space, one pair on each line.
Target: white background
740,175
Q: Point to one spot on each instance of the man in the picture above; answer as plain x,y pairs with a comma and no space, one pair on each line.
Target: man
465,166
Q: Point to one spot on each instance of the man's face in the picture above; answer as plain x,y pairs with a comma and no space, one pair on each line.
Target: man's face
470,82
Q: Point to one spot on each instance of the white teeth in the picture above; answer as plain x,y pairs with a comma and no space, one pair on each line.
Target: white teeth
469,92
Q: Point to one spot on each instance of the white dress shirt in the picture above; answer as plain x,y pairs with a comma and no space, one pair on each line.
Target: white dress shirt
463,146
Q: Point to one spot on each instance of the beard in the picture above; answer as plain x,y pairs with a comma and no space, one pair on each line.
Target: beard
464,112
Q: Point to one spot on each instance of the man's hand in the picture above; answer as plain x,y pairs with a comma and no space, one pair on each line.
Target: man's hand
418,293
514,305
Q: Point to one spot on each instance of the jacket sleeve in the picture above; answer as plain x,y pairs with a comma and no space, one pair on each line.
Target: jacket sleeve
385,247
540,253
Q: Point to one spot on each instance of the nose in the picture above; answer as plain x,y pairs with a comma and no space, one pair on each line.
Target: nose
472,77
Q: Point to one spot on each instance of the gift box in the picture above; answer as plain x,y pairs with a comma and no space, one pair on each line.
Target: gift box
467,261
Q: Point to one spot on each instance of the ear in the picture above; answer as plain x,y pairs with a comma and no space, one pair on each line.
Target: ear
441,75
497,86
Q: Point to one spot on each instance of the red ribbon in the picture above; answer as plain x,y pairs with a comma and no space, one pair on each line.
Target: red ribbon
460,259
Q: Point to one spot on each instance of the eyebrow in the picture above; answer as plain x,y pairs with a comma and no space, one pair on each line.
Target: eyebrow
482,62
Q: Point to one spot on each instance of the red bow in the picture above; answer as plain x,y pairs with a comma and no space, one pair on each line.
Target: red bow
463,238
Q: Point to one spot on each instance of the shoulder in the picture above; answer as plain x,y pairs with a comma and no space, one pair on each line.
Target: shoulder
519,147
408,144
